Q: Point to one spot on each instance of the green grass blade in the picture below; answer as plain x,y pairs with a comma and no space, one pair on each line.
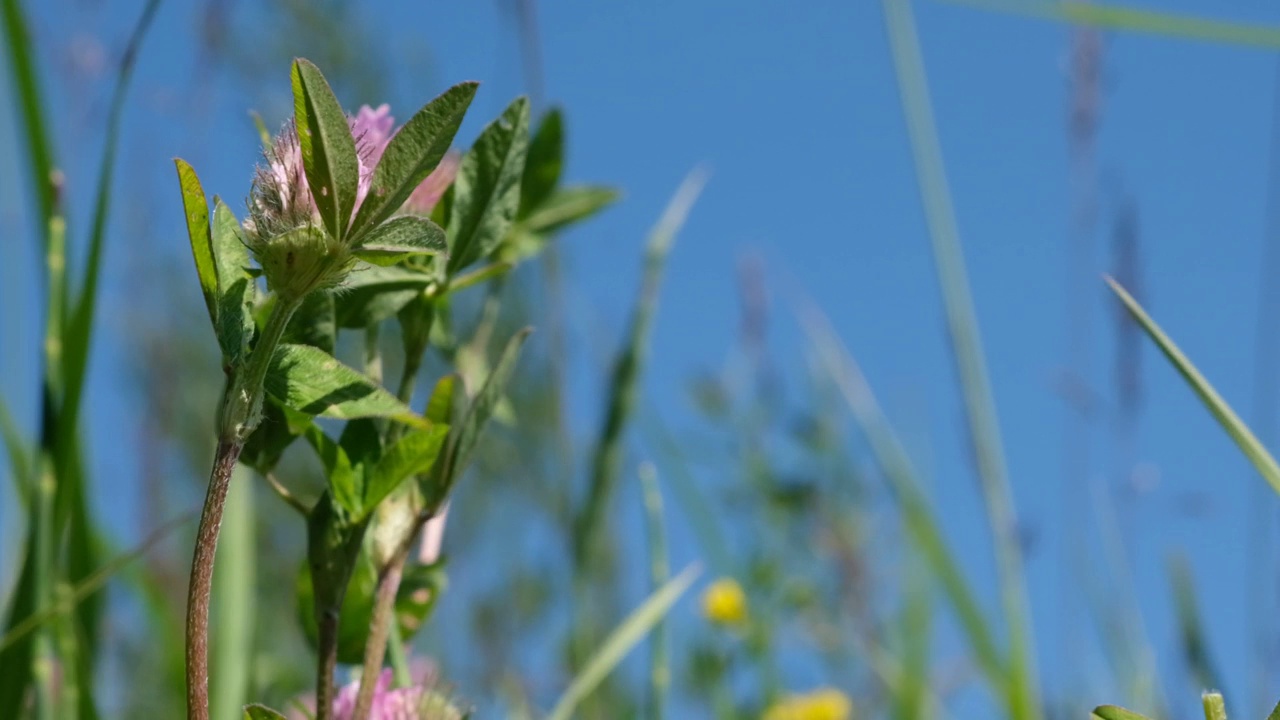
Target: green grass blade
17,38
918,518
984,431
78,334
606,462
659,574
1195,644
14,635
16,655
1222,412
234,601
1112,17
621,641
687,495
911,695
15,449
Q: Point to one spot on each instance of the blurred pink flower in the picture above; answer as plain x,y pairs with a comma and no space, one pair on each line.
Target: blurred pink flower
424,197
418,702
388,704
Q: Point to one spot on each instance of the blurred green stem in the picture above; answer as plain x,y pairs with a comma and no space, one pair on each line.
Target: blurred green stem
44,660
984,430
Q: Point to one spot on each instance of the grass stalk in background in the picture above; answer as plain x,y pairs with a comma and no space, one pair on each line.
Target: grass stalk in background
621,641
1195,644
1221,411
984,432
659,574
588,543
918,518
1112,17
234,601
61,549
606,463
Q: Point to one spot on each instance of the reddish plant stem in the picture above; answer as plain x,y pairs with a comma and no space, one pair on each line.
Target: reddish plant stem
375,650
202,580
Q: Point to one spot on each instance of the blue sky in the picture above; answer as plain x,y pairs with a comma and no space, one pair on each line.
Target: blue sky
794,108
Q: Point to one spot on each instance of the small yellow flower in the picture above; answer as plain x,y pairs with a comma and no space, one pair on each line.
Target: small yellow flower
725,603
823,704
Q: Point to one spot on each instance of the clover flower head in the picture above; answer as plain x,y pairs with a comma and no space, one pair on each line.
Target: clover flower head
284,231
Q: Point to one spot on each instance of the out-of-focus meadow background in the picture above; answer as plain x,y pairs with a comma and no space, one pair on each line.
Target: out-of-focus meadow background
1070,150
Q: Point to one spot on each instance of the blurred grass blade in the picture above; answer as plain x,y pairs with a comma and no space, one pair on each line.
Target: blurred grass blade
234,601
1112,17
1195,645
16,655
895,464
1235,427
19,463
687,495
659,574
1214,706
984,430
78,334
89,586
621,641
606,462
910,699
1113,712
17,38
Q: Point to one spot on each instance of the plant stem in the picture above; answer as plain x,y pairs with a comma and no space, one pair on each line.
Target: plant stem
239,413
379,627
242,406
328,662
202,580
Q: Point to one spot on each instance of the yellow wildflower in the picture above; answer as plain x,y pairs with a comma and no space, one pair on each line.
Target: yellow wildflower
725,603
823,704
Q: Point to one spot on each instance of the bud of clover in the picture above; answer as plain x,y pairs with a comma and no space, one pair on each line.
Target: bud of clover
284,228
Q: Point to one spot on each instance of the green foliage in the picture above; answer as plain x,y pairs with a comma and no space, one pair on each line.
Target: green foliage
486,194
372,294
236,290
401,237
313,382
415,599
412,154
197,211
462,440
261,712
328,150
